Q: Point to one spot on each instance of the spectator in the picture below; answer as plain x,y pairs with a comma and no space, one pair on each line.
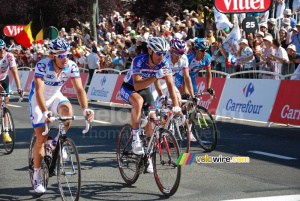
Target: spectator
272,29
280,58
287,13
282,38
295,38
294,58
279,8
93,63
191,30
246,57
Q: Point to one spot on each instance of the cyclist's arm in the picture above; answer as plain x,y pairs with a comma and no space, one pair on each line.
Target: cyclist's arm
171,89
81,94
158,88
14,71
39,88
208,77
139,83
188,81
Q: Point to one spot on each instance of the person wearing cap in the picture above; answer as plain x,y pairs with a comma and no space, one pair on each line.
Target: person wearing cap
286,22
294,58
287,13
263,28
280,57
246,57
295,38
272,28
282,37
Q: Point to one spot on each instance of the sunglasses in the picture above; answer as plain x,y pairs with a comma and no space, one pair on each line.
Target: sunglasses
62,56
178,53
2,48
160,53
203,50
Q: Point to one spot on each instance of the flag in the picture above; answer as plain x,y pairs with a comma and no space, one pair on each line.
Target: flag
230,44
25,38
39,37
221,20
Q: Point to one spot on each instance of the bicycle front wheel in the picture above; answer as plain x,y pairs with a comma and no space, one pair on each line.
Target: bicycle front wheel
166,173
68,170
8,131
127,161
204,129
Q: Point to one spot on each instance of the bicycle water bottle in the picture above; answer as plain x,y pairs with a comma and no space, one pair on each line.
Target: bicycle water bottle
49,147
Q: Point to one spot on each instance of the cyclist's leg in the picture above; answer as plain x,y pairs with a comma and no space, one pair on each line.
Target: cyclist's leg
5,85
62,106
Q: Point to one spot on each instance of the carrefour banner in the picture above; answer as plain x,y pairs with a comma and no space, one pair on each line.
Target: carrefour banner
248,99
287,105
23,75
102,87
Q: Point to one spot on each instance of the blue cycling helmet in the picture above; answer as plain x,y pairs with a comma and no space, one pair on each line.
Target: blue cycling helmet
202,43
177,44
58,45
2,43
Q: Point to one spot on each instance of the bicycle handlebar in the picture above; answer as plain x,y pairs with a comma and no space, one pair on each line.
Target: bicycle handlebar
11,93
64,118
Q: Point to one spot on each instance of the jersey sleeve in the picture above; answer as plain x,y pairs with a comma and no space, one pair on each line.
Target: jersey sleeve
185,62
137,66
166,65
74,71
12,60
40,70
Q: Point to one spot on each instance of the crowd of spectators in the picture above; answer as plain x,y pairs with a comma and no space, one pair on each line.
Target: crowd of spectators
121,37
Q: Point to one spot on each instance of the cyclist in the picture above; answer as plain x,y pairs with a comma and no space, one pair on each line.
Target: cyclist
45,98
8,62
178,61
198,60
146,69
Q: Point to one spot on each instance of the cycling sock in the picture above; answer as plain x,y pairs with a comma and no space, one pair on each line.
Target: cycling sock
36,174
135,134
5,128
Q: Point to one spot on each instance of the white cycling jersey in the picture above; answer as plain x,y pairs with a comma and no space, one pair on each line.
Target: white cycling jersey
53,82
6,63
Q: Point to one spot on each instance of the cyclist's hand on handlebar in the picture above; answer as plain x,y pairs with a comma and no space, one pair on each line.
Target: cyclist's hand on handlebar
176,110
211,91
89,113
21,93
46,116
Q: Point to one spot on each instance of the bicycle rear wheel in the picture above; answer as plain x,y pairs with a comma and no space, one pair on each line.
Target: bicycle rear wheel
9,132
166,173
127,161
182,135
204,129
44,167
68,170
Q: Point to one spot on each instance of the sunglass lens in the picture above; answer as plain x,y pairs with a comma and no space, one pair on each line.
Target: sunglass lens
62,56
160,53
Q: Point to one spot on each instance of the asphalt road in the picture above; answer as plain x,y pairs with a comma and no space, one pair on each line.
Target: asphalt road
273,169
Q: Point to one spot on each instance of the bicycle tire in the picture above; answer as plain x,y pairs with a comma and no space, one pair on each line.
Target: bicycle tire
205,129
162,168
44,166
68,170
9,147
127,161
184,130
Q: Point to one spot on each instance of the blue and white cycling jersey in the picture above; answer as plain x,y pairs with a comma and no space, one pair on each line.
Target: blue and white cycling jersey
195,66
181,64
140,65
53,82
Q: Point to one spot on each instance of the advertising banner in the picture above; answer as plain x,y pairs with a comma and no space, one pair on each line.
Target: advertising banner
27,86
68,90
248,99
287,104
102,87
116,98
23,75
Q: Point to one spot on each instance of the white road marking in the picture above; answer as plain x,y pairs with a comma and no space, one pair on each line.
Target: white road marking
102,122
273,155
14,105
272,198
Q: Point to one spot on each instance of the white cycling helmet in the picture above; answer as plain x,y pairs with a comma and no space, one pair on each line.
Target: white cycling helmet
58,45
158,44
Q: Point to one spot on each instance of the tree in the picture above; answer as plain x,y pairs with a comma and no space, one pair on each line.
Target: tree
93,18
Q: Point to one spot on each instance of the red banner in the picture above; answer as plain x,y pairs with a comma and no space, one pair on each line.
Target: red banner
242,6
68,89
287,104
116,98
27,87
218,85
13,30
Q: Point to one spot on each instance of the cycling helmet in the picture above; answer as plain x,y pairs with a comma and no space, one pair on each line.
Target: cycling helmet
202,43
158,44
2,43
58,45
177,44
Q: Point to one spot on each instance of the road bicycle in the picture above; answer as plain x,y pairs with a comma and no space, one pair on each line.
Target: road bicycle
199,122
64,162
6,117
162,148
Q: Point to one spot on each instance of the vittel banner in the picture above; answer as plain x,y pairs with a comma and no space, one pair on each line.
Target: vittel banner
248,99
242,6
287,104
102,87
